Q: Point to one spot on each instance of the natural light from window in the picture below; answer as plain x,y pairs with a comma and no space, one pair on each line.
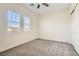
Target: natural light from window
13,21
26,23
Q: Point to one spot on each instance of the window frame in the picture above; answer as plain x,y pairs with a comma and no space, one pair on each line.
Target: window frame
27,24
21,24
12,21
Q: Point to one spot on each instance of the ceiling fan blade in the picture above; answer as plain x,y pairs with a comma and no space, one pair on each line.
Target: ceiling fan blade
45,4
38,6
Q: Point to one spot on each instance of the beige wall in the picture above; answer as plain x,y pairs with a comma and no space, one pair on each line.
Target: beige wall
9,40
75,28
55,26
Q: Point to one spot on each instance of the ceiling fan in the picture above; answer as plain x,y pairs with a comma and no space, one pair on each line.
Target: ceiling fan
38,6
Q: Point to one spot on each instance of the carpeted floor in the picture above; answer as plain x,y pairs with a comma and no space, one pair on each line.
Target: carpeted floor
41,47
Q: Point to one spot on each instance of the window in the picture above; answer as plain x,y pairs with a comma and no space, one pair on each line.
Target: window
26,23
16,22
13,21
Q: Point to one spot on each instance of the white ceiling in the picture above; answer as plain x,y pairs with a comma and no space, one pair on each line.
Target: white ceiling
53,7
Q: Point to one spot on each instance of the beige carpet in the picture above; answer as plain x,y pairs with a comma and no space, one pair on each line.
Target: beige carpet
41,47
